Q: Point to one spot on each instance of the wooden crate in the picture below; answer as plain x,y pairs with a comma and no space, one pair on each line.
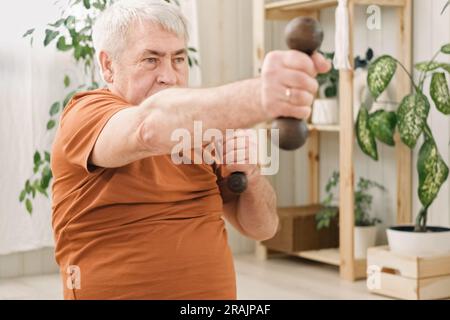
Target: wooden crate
297,231
408,277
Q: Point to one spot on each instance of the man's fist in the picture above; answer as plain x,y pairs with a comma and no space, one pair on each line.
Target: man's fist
240,153
289,82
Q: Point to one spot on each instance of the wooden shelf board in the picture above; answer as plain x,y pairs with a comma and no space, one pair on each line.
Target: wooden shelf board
311,127
332,257
328,256
319,127
288,9
286,5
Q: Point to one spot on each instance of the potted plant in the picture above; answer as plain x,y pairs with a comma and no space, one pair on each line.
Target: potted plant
326,107
410,119
365,230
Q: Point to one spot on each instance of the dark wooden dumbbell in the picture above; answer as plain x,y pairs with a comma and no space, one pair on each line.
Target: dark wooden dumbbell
306,35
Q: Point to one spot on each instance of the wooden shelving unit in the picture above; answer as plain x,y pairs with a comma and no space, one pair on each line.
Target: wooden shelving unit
350,268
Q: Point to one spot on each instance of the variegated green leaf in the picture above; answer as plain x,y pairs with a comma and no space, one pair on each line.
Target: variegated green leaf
364,136
382,124
380,73
427,66
411,115
433,172
439,92
446,48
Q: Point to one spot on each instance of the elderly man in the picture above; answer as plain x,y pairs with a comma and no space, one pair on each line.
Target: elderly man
128,222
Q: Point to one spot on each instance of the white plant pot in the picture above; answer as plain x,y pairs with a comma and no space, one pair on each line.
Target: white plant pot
403,240
325,111
365,237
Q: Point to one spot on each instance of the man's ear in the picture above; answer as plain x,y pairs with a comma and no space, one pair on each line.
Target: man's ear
106,67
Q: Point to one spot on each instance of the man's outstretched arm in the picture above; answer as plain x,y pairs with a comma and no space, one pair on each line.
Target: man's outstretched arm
146,130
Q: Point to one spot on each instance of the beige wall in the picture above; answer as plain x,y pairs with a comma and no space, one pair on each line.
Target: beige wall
225,56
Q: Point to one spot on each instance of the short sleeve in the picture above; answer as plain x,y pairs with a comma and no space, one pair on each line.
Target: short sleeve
82,122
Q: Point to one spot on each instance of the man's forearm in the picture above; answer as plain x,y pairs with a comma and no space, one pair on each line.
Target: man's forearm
236,105
257,209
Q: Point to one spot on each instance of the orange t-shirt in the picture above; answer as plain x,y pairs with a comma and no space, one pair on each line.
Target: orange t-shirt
148,230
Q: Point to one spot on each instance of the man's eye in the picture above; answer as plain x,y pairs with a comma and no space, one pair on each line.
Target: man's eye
179,60
151,60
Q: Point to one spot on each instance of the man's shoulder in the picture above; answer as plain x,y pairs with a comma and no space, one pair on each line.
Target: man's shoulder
88,100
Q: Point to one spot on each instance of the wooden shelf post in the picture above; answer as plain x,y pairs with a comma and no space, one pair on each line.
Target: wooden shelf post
403,153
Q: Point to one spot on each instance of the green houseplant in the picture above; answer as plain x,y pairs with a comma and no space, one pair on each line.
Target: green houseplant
411,121
325,109
365,225
72,34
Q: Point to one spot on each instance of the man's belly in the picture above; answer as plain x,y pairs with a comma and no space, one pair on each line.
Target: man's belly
168,259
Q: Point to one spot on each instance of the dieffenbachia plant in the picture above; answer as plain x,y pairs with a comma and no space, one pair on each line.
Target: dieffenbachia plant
410,120
71,33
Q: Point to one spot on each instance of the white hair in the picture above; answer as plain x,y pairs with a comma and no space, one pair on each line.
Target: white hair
111,27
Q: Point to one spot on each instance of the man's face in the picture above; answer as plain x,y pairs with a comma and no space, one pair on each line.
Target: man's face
153,60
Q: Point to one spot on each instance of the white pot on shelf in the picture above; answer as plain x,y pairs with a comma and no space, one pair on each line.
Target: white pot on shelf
403,240
364,238
325,111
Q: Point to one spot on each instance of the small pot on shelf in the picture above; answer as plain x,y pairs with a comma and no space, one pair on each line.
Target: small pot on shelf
364,238
325,111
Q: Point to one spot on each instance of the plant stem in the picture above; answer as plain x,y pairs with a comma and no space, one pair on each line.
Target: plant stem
423,73
421,221
427,133
409,75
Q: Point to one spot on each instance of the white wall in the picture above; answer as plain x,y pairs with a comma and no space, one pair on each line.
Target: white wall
226,52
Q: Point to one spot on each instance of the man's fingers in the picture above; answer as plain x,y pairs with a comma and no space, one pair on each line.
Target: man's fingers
298,112
300,80
297,60
300,98
321,64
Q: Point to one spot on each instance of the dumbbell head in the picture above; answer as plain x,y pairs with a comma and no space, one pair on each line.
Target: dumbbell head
304,34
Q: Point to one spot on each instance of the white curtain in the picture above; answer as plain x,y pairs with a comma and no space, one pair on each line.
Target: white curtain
31,79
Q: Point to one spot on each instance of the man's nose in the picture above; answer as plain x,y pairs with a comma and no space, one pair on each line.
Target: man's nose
167,75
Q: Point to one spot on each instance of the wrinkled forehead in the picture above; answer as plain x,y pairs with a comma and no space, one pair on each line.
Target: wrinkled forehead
148,35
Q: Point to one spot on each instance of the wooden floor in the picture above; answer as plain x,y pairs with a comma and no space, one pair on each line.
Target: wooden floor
294,278
277,278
